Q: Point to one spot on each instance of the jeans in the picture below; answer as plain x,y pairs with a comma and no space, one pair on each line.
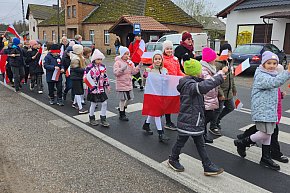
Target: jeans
68,87
117,49
51,86
18,75
26,69
200,146
9,73
225,107
210,115
39,82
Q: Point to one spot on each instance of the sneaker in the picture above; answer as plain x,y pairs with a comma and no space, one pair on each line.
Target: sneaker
212,170
170,126
83,111
141,88
40,92
175,165
60,103
51,101
31,86
215,131
207,139
219,126
75,106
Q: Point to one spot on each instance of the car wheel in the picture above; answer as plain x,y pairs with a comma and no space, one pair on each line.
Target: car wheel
284,63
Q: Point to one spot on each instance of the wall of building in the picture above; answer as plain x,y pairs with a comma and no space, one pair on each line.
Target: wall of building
180,29
33,35
252,16
48,31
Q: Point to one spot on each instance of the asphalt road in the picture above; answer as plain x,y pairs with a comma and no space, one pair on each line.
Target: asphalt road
247,174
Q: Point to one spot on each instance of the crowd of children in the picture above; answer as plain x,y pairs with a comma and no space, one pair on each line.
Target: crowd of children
206,90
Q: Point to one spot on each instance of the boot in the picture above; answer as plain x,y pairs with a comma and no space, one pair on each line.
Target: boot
104,121
162,137
123,116
146,127
93,121
252,130
266,160
242,144
140,83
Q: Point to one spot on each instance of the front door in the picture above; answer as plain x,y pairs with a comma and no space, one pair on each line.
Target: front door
287,39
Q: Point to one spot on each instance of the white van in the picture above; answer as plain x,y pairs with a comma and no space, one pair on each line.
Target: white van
200,40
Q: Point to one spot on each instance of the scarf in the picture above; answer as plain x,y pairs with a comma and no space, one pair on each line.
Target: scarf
210,67
190,48
271,72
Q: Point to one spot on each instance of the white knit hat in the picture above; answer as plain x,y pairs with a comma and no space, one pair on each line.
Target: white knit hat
97,55
157,52
123,50
78,49
167,44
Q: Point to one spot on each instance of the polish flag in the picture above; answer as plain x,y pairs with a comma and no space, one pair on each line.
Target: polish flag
160,95
55,75
88,80
40,52
12,30
238,104
224,55
141,48
61,51
3,59
242,67
67,73
146,57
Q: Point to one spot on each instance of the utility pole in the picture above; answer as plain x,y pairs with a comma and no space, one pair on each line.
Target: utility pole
23,17
58,36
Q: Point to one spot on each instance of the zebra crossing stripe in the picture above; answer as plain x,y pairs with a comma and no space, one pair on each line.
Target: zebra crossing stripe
253,153
283,136
221,183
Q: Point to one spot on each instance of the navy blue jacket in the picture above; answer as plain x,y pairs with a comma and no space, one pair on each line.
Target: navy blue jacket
17,61
50,62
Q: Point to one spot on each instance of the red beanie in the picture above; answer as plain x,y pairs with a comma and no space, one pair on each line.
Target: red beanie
186,35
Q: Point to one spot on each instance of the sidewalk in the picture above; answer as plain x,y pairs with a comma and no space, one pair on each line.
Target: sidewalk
40,152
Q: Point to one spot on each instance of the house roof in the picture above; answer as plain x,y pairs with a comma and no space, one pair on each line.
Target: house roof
164,11
40,11
53,20
147,23
251,4
212,23
283,14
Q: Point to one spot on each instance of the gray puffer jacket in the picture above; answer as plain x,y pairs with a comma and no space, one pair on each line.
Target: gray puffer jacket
191,118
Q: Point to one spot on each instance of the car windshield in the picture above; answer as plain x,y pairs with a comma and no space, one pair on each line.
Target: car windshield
248,49
158,47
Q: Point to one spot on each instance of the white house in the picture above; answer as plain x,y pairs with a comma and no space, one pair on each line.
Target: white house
36,14
258,21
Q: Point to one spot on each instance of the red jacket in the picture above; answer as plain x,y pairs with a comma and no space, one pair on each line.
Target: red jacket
133,51
171,63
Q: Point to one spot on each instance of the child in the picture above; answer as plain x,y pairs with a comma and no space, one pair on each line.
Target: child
35,69
264,102
157,67
190,121
171,63
52,62
77,74
66,63
123,70
211,98
98,72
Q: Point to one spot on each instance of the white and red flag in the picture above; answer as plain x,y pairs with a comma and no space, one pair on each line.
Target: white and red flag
141,48
55,75
12,30
242,67
161,95
40,52
88,80
61,51
238,104
67,72
224,55
146,57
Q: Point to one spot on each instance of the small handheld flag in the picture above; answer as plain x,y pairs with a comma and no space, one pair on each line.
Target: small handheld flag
238,104
242,67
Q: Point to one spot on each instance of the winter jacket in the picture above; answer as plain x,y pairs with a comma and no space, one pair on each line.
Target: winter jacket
211,101
228,87
100,77
279,108
264,97
133,47
34,67
17,61
50,62
171,63
123,71
76,72
191,117
183,54
65,61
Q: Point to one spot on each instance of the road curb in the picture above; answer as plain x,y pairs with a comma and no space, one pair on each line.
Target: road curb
193,185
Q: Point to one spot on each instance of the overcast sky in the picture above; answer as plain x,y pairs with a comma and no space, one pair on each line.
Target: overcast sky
11,10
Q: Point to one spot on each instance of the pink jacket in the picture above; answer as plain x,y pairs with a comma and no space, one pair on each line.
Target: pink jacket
123,70
279,107
211,98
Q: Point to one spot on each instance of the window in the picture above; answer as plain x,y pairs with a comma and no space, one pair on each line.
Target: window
44,35
107,37
53,35
275,49
74,11
68,12
92,36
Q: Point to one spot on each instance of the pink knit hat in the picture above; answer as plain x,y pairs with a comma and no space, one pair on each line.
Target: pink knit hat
32,42
97,55
208,55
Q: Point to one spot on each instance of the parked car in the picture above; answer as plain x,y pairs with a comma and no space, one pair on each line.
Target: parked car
254,53
152,46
